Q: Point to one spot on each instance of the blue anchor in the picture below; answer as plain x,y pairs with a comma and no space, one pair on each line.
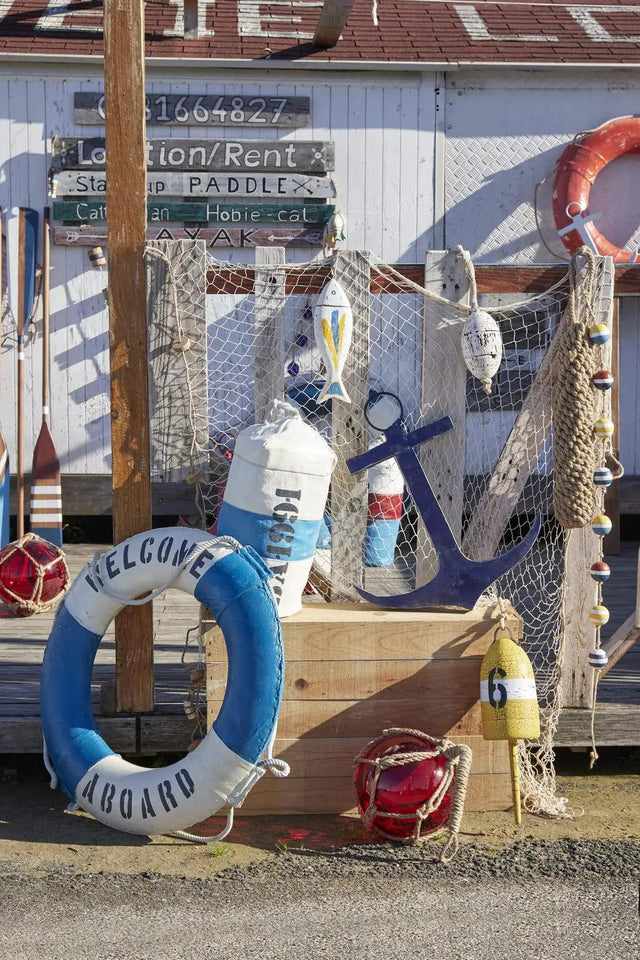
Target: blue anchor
459,581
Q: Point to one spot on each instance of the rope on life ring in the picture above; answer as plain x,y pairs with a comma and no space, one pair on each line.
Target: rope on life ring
576,171
231,581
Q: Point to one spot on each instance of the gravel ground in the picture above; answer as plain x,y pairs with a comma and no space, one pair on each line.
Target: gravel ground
539,900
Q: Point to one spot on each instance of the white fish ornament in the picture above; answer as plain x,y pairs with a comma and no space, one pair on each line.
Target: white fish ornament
333,326
482,347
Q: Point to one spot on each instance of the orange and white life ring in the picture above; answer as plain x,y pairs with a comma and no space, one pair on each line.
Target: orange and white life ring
576,171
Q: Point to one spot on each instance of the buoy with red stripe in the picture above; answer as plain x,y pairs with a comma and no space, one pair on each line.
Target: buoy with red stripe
386,492
576,171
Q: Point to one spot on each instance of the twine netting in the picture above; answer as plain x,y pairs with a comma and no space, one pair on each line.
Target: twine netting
492,473
458,768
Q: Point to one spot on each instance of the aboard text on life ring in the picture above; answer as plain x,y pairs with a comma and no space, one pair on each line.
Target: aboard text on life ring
576,172
232,582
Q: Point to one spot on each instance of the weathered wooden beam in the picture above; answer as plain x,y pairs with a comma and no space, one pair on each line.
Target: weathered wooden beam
443,459
177,325
621,642
489,278
612,496
126,225
332,21
511,473
350,433
268,329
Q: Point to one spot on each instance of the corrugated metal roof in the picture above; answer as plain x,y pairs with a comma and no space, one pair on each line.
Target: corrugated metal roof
408,31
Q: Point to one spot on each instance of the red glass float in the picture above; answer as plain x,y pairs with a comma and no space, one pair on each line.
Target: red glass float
402,788
33,575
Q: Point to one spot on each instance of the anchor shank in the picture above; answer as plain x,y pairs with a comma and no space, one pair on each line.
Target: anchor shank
426,502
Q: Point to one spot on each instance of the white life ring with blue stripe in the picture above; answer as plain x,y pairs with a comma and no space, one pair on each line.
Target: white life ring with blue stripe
230,581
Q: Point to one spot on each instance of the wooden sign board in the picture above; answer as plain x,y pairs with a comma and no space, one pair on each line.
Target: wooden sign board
300,156
217,237
76,183
206,110
229,214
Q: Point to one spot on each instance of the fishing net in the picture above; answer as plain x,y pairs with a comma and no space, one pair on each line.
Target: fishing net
492,473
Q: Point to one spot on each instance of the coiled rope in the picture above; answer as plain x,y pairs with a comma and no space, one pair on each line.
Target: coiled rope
573,402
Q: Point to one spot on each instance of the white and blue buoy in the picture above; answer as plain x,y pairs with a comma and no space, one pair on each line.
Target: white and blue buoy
603,477
598,658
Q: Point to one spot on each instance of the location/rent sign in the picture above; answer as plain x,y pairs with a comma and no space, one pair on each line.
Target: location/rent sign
91,236
70,183
301,156
206,110
229,214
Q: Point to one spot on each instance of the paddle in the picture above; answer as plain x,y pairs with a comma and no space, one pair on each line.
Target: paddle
46,492
5,494
25,277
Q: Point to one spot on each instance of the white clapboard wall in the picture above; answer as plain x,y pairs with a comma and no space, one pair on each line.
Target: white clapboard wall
383,129
501,130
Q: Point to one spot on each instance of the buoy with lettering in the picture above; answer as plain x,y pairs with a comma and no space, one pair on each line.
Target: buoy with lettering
508,702
232,582
386,491
482,347
275,497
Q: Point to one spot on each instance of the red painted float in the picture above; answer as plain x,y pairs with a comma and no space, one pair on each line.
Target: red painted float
585,157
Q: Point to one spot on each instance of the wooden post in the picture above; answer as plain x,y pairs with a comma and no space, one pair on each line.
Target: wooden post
124,76
332,21
612,497
268,328
351,433
583,548
443,458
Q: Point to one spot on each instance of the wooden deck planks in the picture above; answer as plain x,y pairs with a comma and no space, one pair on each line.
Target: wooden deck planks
22,643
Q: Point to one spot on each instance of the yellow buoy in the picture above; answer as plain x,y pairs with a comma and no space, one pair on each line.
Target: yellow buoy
509,702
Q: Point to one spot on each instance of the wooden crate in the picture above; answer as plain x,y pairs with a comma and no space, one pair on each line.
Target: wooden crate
351,671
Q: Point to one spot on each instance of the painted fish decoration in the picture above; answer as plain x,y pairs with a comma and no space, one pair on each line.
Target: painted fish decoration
333,326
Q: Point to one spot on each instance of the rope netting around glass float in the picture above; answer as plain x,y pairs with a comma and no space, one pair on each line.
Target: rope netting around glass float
492,473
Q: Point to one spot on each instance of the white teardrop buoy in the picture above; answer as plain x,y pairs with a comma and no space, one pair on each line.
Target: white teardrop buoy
482,347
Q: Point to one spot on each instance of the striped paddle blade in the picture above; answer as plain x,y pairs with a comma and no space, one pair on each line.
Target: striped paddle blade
46,499
46,492
4,491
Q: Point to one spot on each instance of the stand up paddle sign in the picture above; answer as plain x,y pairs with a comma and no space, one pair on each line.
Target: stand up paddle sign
459,581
